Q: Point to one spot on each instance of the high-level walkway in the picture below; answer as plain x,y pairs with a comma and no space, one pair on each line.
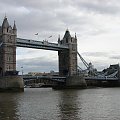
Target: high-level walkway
27,43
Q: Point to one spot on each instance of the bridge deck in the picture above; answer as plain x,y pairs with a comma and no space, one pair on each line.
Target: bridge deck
20,42
101,79
57,79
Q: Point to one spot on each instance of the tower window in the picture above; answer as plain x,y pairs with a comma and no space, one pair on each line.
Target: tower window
66,40
7,29
8,58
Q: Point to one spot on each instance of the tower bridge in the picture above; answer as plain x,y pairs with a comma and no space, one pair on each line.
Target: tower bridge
66,47
67,50
67,57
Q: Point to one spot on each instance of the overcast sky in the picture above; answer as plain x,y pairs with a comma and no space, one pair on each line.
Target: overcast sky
96,22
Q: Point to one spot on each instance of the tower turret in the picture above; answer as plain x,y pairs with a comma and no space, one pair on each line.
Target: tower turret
59,39
8,49
75,36
5,25
67,34
14,29
68,58
67,37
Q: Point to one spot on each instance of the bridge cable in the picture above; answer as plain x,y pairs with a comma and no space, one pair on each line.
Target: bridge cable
84,62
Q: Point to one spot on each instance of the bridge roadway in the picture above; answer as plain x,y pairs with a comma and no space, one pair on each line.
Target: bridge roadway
62,79
53,78
27,43
101,79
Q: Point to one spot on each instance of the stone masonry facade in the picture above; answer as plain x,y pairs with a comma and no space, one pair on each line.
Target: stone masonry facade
68,58
7,48
8,34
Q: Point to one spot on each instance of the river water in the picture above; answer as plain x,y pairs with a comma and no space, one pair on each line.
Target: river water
49,104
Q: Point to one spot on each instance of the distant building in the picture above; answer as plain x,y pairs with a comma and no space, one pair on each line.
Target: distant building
112,69
52,73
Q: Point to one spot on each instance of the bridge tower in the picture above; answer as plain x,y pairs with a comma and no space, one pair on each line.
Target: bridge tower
7,48
68,58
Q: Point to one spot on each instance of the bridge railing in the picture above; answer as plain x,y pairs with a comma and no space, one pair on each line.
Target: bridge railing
101,79
57,78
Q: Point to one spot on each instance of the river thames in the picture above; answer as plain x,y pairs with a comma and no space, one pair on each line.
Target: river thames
49,104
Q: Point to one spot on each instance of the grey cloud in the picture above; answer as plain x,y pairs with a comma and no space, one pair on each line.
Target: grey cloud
48,16
115,57
37,64
54,16
100,65
99,6
96,54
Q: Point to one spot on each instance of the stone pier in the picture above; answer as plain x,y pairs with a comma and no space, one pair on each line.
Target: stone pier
73,82
11,84
76,82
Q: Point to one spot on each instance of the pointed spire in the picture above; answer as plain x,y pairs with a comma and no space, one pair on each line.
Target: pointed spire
67,34
14,26
59,39
75,36
5,23
67,29
5,16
